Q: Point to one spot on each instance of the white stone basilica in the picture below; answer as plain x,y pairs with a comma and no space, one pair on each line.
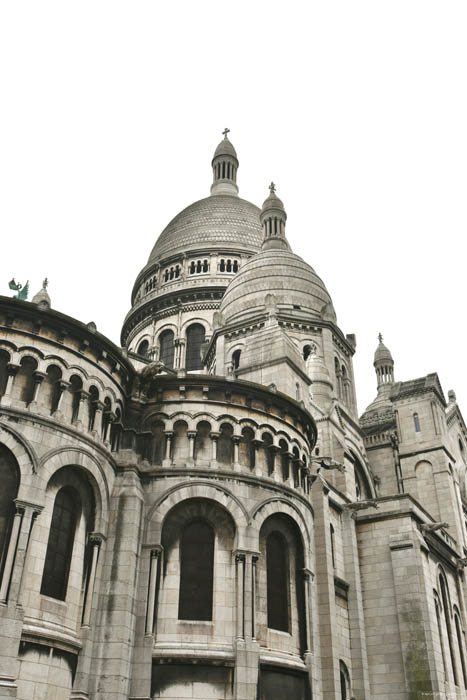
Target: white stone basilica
201,513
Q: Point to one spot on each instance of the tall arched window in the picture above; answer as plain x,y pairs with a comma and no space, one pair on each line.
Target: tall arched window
196,572
143,348
236,359
447,619
416,422
166,348
460,644
345,681
9,479
4,360
277,562
333,550
60,544
194,339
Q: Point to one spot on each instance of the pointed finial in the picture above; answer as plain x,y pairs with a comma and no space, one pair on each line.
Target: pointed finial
380,337
272,188
45,283
225,132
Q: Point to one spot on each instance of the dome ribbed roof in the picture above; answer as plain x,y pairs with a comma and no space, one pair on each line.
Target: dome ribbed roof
225,148
382,353
285,275
220,220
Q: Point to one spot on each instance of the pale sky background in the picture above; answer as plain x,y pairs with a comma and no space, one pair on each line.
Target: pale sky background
110,113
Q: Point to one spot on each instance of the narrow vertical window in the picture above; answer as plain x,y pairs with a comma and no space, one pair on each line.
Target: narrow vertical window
416,422
460,644
194,340
236,359
333,552
447,620
60,544
196,572
277,582
143,348
166,348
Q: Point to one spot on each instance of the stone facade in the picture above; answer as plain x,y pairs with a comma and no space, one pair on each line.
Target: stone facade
201,513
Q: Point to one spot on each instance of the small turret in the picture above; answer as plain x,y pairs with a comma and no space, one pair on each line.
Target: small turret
42,298
384,366
224,168
273,218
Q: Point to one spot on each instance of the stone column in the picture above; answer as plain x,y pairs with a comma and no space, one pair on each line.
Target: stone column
95,540
153,588
82,420
98,414
63,386
240,595
236,448
38,379
26,514
12,370
168,446
191,437
214,439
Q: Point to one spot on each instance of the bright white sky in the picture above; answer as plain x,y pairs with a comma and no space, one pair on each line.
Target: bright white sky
357,110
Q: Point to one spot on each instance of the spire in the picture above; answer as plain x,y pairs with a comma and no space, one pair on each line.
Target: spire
224,168
384,365
273,218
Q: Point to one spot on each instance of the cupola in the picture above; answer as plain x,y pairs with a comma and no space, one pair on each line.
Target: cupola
384,365
273,218
224,168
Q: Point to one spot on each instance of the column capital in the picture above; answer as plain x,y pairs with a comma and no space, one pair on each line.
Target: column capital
22,505
169,434
39,376
63,384
156,551
96,538
244,553
191,434
12,368
307,574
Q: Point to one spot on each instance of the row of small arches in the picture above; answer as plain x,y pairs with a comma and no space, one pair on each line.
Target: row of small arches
257,451
52,393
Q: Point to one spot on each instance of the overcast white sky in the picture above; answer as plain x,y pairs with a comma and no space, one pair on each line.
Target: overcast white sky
357,110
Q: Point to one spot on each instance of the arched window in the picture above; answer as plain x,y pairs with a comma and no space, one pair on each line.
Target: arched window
306,352
203,441
158,443
143,348
236,359
93,399
9,479
460,645
60,544
50,392
4,360
268,452
196,572
277,582
24,382
247,448
440,633
235,266
345,681
222,265
225,444
416,422
76,385
194,340
166,348
447,619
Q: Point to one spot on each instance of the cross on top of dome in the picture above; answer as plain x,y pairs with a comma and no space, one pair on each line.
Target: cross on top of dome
225,132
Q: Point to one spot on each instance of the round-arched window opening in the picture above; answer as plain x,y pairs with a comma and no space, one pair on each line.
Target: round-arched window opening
236,359
143,348
306,352
194,340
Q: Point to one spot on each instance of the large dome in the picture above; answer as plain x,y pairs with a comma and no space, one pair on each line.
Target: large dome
219,220
295,285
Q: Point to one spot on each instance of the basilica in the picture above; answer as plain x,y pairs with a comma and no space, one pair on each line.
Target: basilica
200,512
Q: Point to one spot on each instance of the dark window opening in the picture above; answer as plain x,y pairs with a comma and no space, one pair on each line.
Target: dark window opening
194,340
196,572
416,421
166,348
236,359
143,348
277,582
60,544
